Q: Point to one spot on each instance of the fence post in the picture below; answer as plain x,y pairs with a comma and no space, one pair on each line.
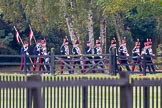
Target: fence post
34,94
52,61
126,92
146,95
113,61
144,64
85,94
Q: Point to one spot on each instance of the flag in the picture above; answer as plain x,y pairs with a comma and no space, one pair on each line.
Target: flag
17,35
30,34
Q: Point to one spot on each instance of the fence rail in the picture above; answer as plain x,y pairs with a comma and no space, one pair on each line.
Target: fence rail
40,91
54,91
58,64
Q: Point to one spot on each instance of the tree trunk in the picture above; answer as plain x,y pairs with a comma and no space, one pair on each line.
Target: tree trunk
103,33
116,29
74,19
90,25
70,27
120,25
68,21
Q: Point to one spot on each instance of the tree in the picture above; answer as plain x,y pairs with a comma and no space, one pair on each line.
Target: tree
90,24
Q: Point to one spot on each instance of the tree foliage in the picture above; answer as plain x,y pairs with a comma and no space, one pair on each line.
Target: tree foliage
130,18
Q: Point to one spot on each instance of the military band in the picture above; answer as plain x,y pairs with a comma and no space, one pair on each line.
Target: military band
93,58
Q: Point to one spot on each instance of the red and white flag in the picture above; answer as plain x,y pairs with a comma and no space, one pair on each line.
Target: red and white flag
17,35
31,34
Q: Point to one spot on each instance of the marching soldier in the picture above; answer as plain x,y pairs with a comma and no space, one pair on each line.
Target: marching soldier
88,59
143,57
66,58
45,59
77,52
113,50
37,52
123,54
151,54
136,56
24,52
98,57
144,50
148,54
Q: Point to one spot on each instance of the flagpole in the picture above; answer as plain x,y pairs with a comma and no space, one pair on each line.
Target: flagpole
33,35
19,36
29,57
23,45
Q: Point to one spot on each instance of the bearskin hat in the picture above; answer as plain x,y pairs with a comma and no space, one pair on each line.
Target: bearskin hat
65,40
150,42
137,44
76,42
97,41
26,42
123,41
88,42
145,43
43,41
113,41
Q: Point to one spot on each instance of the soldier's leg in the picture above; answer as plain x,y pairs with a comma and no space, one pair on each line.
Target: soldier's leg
74,63
85,65
149,66
40,63
152,66
80,66
120,65
61,66
69,68
102,67
34,67
95,67
22,63
47,66
127,65
140,66
89,64
133,65
28,61
43,64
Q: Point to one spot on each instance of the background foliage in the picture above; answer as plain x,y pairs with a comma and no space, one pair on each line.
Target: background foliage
131,18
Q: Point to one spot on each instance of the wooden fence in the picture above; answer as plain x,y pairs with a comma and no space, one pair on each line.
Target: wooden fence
107,64
38,91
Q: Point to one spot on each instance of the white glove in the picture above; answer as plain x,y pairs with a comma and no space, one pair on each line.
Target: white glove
25,48
37,60
127,54
46,60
